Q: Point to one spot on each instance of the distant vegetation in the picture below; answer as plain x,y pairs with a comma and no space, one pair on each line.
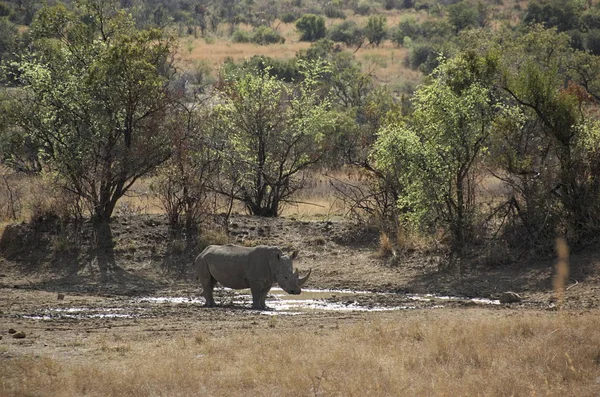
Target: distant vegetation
498,147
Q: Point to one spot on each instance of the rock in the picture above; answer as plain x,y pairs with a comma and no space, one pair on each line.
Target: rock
510,297
12,331
19,335
60,297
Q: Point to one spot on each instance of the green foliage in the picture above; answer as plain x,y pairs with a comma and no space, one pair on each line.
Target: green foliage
407,27
463,15
8,38
333,10
564,15
262,35
271,131
423,56
288,17
593,41
283,69
311,27
434,152
94,100
536,81
363,7
347,32
375,29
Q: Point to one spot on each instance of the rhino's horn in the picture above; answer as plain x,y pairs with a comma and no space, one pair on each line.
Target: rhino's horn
303,280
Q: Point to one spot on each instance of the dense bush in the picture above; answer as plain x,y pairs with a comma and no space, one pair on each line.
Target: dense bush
347,32
463,15
376,30
262,35
564,15
311,27
407,27
423,56
364,7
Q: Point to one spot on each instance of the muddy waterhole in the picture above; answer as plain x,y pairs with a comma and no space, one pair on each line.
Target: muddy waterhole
279,302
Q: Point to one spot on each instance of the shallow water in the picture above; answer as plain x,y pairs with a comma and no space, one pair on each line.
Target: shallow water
279,302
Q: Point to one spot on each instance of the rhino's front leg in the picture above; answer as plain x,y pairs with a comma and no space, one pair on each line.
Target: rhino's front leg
257,287
263,296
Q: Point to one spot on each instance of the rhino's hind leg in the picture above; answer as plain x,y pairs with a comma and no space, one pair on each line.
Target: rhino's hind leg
207,292
207,281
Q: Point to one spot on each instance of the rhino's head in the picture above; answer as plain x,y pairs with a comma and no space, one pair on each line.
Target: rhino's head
288,279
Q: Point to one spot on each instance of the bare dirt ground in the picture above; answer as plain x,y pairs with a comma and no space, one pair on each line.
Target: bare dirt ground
58,291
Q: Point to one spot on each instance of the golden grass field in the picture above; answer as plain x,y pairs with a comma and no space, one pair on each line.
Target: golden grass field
425,352
442,352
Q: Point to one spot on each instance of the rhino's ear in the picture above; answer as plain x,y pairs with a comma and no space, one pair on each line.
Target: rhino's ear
294,254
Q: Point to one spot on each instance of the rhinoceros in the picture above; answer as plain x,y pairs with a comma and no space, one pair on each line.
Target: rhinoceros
257,268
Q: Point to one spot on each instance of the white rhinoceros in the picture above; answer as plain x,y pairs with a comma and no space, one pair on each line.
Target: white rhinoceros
257,268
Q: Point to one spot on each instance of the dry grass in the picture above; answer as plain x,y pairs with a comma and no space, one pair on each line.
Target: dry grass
386,62
36,196
442,353
317,200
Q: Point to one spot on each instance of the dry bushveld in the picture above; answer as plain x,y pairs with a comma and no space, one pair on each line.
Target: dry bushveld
442,352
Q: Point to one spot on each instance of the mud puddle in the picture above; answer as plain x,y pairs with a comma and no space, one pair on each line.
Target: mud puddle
279,302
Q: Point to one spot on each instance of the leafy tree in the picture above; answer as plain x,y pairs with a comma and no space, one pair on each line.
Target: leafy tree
433,154
8,38
376,30
566,130
311,27
407,27
463,15
347,32
564,15
271,131
363,7
95,100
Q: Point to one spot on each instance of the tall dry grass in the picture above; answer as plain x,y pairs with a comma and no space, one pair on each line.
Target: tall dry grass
443,353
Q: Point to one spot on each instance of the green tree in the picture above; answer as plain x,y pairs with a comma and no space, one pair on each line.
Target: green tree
8,38
271,131
554,86
463,15
564,15
375,29
433,153
94,99
311,27
347,32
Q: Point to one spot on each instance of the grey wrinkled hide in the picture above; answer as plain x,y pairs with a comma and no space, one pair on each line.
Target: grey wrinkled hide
257,268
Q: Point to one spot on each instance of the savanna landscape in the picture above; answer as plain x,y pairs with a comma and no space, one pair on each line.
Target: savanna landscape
434,164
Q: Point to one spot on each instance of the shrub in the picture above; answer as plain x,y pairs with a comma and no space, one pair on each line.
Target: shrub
436,28
593,41
407,27
264,35
241,36
363,7
347,32
376,30
288,17
423,56
463,15
311,27
331,11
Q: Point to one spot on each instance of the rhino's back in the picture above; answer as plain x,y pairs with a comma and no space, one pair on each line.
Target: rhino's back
229,264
